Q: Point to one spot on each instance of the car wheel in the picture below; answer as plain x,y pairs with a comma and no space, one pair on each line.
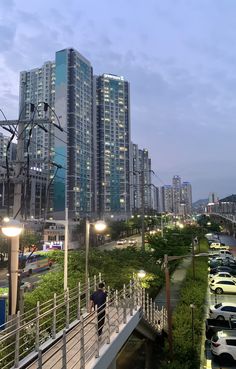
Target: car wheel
220,317
219,291
226,358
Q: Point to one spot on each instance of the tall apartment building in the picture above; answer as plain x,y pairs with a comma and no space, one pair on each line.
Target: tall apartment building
140,179
135,193
145,167
66,85
186,197
113,145
176,184
167,198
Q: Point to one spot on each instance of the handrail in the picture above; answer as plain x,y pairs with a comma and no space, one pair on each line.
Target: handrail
68,320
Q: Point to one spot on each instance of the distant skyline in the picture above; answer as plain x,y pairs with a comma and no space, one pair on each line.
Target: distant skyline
178,56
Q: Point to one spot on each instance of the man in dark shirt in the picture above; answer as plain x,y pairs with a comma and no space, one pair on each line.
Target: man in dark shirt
98,298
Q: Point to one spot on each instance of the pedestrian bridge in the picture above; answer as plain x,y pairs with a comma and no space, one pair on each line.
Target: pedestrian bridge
61,334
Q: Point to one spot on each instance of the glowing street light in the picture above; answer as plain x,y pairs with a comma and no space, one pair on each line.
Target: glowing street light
141,273
99,226
12,228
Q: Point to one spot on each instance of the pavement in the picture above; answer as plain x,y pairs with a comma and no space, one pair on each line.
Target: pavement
176,281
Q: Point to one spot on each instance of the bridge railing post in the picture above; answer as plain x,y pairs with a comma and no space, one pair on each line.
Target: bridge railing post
117,312
150,311
139,295
82,348
79,301
37,327
54,316
67,300
131,297
17,340
88,295
147,306
143,302
124,305
40,359
108,332
94,282
96,334
64,354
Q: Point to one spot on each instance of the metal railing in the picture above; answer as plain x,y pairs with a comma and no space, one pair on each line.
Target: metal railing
60,333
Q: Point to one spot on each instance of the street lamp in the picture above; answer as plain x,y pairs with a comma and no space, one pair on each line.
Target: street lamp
141,274
99,226
192,307
12,228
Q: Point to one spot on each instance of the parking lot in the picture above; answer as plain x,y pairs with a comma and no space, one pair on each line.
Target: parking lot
212,299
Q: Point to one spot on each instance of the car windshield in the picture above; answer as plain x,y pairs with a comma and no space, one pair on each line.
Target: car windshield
217,306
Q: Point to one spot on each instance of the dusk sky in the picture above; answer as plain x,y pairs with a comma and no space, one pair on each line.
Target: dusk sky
178,55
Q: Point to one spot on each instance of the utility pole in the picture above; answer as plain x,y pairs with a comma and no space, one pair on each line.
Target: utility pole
193,257
142,209
168,306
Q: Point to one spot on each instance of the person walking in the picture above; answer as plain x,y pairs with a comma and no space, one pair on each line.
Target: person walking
98,298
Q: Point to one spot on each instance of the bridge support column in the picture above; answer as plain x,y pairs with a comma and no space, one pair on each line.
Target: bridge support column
112,365
148,354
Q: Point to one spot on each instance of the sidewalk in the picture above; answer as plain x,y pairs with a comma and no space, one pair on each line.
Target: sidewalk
177,279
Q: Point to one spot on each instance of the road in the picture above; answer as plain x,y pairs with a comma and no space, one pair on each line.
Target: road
36,277
113,245
31,279
211,363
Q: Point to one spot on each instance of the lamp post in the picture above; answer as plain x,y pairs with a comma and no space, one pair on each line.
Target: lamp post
192,307
65,223
99,226
12,228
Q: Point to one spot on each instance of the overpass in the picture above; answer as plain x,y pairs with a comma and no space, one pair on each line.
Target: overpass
61,334
229,221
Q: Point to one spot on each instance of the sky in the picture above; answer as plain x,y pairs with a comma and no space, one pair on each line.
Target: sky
178,55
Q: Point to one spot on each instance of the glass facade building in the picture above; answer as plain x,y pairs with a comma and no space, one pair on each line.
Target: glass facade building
66,84
113,145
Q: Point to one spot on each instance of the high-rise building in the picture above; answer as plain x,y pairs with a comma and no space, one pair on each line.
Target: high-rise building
213,198
113,145
186,197
66,85
135,193
140,179
167,198
176,184
145,171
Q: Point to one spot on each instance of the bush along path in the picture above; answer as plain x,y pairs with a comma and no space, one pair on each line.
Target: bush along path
187,328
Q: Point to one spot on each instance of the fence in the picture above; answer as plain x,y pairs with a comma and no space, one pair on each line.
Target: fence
67,332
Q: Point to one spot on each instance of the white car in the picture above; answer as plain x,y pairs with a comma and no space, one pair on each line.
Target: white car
132,241
223,345
223,310
223,285
121,242
221,275
218,246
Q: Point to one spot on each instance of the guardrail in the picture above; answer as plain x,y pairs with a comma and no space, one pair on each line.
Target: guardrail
61,332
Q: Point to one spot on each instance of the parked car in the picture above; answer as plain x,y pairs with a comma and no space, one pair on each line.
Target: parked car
132,241
231,270
221,275
213,255
121,242
223,345
218,245
223,286
215,262
223,310
226,253
215,325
